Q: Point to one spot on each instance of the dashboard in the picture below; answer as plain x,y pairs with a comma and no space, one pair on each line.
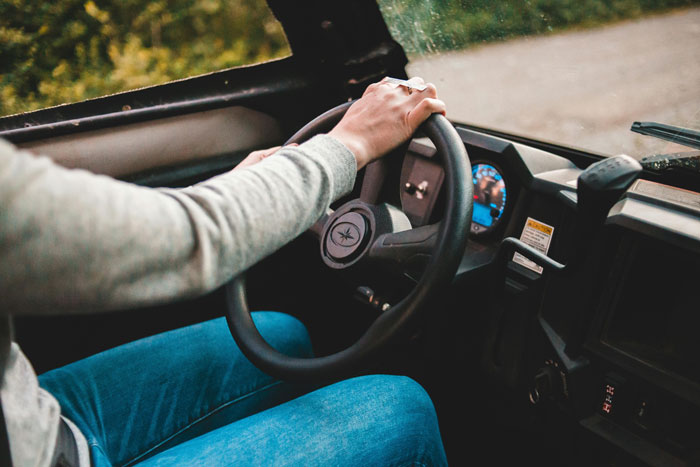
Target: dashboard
610,339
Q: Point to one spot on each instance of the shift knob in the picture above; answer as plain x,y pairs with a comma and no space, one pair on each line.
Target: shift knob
599,188
602,184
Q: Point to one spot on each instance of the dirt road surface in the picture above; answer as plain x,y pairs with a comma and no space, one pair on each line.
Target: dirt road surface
581,88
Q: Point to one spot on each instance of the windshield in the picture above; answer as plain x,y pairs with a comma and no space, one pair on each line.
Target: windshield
577,73
66,51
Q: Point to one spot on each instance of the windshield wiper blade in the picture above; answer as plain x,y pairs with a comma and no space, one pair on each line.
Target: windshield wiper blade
675,134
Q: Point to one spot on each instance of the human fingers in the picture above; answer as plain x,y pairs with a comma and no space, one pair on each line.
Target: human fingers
417,98
251,159
416,80
256,156
388,113
418,85
371,88
379,85
430,91
398,85
423,110
270,151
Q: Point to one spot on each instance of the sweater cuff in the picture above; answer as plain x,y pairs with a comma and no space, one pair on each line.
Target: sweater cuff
337,158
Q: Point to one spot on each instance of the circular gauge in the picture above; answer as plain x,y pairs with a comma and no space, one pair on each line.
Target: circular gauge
489,198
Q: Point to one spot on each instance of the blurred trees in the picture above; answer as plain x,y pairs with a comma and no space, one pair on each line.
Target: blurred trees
69,50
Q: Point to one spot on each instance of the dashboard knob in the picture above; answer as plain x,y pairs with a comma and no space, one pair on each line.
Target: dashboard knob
548,384
419,190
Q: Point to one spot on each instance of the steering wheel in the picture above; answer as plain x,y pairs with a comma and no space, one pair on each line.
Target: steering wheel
361,232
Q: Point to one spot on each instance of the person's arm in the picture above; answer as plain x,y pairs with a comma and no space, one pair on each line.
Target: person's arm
72,241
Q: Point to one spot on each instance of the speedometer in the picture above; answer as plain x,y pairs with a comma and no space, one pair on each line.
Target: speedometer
489,198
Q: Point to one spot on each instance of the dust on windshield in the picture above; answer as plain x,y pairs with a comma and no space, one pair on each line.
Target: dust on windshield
574,73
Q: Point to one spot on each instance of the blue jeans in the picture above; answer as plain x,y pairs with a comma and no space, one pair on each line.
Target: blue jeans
189,397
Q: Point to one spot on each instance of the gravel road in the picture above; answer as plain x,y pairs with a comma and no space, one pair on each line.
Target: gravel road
583,88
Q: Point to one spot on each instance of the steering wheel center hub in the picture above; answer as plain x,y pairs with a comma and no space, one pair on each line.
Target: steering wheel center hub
346,237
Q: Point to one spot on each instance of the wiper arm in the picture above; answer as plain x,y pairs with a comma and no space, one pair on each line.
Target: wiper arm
675,134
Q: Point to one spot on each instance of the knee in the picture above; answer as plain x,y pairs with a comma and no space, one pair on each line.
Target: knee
414,414
401,412
406,401
410,393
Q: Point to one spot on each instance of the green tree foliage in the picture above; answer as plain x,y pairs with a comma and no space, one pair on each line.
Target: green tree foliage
427,26
69,50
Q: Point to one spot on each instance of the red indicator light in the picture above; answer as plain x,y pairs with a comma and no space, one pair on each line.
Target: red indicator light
608,399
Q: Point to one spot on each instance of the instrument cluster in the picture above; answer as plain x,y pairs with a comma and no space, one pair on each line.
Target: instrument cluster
490,196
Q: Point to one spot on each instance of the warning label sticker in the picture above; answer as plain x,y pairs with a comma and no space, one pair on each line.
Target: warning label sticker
538,235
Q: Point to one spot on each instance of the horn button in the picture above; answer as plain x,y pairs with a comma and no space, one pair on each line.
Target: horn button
346,238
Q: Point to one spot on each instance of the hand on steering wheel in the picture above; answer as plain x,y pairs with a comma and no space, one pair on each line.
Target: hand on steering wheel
379,232
386,116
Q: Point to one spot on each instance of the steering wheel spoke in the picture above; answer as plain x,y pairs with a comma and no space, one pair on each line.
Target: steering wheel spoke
376,174
406,250
317,228
373,181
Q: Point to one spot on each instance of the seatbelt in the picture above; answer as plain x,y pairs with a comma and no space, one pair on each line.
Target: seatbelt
5,455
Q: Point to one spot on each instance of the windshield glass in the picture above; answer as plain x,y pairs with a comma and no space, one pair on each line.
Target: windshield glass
577,73
69,50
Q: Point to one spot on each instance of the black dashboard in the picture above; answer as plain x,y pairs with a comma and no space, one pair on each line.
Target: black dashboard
608,335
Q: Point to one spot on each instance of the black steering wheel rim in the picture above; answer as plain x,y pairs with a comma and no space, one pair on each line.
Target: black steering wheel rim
450,244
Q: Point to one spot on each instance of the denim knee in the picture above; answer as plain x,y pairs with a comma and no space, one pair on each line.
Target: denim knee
398,405
427,445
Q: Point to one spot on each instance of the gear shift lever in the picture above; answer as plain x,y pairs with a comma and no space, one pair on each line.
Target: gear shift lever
599,188
602,184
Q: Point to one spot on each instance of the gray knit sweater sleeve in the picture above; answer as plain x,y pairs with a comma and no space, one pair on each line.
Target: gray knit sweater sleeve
71,241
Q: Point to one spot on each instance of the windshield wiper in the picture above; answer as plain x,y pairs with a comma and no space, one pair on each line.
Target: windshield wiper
675,134
680,160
